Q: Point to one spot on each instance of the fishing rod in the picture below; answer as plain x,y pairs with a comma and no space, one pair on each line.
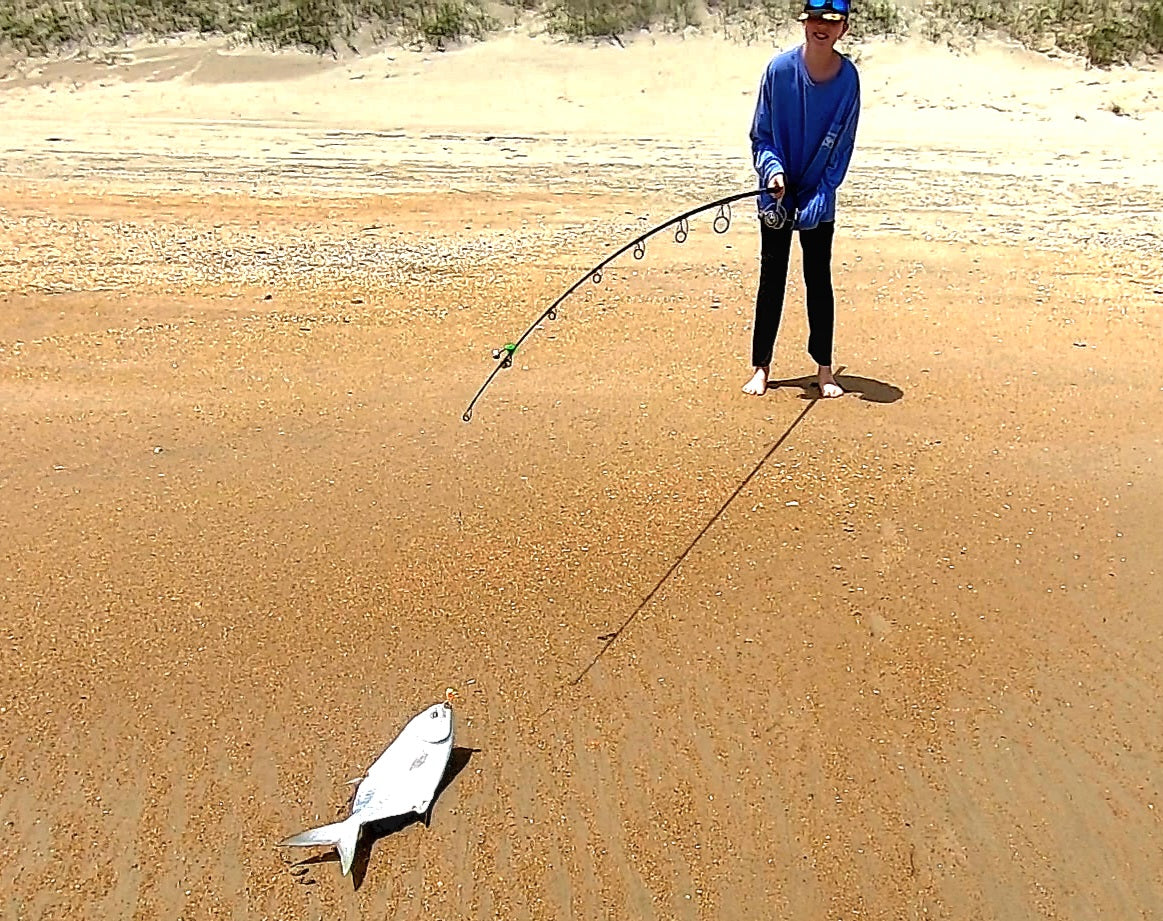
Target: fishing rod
776,218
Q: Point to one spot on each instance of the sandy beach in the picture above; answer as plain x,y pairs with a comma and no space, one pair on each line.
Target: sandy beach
893,656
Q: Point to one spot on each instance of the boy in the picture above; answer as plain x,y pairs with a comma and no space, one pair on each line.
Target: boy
801,142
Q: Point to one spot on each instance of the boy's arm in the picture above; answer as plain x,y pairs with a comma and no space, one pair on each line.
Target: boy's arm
841,156
765,148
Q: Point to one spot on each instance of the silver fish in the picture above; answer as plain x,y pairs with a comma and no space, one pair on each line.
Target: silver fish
402,780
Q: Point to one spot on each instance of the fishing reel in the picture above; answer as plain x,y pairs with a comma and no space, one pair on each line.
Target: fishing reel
776,217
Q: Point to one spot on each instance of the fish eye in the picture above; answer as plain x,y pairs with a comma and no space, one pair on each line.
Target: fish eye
435,713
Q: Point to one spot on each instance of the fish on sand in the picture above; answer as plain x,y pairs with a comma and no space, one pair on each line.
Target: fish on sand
403,780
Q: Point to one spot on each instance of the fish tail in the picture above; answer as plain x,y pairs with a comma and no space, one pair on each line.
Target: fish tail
341,834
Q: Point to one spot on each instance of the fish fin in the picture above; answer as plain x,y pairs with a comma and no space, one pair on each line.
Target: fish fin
341,834
346,846
348,783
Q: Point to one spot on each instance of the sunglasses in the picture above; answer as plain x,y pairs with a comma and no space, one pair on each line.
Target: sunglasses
826,9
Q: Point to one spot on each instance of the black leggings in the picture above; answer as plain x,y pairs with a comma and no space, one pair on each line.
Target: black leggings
774,253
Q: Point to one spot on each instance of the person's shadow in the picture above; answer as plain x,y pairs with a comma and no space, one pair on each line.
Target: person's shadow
865,387
374,831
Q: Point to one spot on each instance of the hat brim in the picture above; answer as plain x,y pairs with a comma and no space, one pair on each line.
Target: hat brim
827,17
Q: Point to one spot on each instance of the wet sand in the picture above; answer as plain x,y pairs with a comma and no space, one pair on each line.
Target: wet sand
896,655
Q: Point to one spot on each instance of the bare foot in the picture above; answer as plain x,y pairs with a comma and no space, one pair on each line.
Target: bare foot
829,389
757,386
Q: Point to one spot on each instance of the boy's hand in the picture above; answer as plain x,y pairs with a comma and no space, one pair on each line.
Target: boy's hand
777,186
811,214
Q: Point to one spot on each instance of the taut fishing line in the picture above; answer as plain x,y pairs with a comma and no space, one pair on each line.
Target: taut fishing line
775,218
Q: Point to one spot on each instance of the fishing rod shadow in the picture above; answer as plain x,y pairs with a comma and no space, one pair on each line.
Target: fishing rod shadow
374,831
868,389
609,639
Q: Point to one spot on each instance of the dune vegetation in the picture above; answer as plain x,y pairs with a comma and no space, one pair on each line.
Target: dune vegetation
1104,31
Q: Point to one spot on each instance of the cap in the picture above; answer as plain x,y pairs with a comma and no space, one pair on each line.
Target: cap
831,10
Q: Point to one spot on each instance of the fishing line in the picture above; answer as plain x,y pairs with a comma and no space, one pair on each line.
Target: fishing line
776,218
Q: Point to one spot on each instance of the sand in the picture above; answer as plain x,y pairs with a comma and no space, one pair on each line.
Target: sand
897,655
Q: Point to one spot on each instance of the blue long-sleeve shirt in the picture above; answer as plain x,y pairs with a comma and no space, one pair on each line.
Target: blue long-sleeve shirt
806,131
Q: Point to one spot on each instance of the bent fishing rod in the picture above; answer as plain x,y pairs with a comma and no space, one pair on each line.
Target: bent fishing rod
776,218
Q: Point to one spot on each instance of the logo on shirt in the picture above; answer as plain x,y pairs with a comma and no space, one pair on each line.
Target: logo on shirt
830,141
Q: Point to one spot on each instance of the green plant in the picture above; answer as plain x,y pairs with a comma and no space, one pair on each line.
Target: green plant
580,19
38,26
876,17
1155,25
1104,31
751,17
448,21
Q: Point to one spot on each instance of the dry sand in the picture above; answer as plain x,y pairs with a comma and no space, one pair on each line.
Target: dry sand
898,655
